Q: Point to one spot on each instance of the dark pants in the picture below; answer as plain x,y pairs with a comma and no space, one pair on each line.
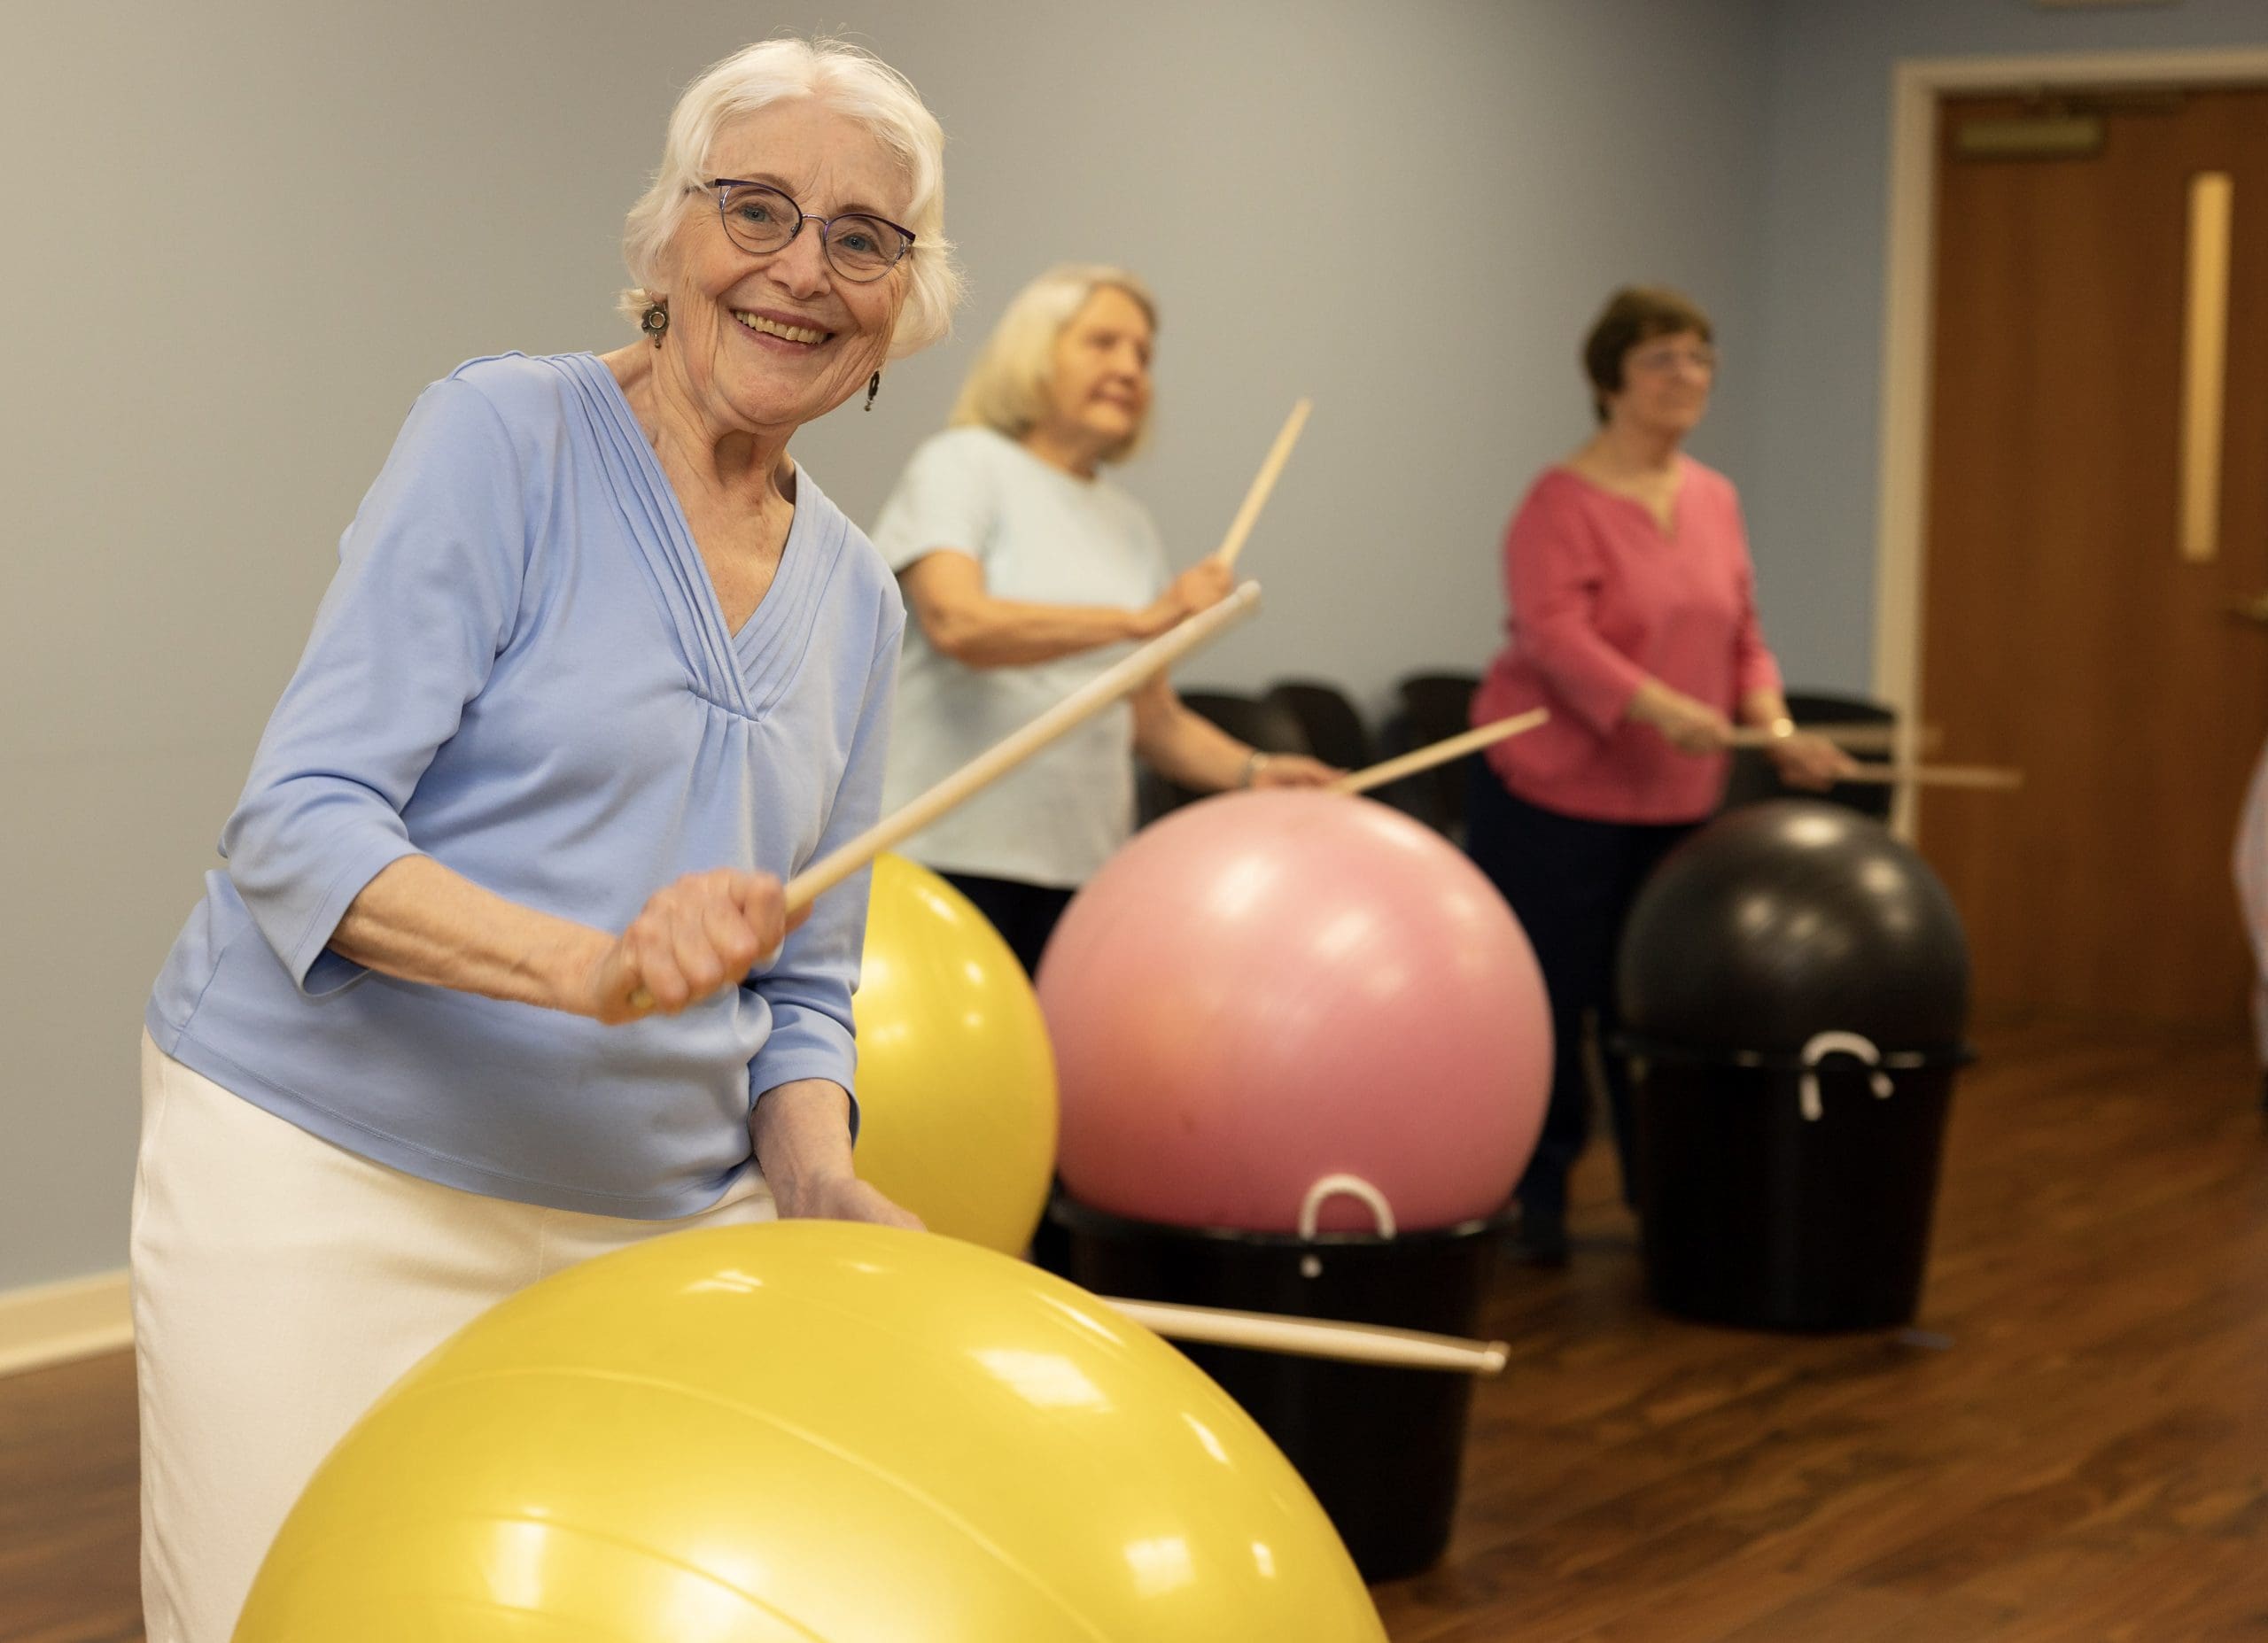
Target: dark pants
1024,914
1571,881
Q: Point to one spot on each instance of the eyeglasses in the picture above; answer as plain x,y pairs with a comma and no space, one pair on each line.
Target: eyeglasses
1651,359
761,219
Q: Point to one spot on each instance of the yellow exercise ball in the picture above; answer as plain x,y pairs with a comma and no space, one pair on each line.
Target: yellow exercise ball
807,1431
956,1080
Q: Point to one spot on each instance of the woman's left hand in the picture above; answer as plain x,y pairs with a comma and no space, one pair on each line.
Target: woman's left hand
841,1198
1812,762
1295,770
800,1131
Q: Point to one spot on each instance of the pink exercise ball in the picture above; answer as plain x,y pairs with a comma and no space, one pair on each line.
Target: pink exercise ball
1267,990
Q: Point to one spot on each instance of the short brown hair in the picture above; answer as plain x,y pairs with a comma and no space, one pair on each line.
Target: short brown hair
1634,315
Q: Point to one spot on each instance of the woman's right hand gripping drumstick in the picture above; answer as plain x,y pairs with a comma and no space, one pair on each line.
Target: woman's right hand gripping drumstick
693,938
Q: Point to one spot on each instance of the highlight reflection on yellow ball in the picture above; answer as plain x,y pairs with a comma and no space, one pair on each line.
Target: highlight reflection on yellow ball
956,1080
806,1430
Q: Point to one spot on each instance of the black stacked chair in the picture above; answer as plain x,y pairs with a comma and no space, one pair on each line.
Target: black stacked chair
1334,730
1430,706
1268,725
1755,778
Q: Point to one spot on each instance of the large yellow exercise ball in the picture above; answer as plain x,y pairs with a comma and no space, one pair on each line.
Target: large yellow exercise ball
806,1430
956,1080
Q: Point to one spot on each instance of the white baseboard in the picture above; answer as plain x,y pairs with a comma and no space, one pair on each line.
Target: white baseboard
56,1323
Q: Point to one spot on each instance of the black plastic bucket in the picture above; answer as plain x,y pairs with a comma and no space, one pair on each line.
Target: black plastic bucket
1794,991
1772,1194
1382,1448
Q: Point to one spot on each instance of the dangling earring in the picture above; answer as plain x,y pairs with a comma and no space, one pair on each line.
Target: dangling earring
655,319
874,387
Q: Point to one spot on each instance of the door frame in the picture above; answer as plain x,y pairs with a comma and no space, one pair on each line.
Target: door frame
1918,85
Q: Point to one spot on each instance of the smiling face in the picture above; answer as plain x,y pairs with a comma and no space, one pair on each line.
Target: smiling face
1098,382
770,342
1665,381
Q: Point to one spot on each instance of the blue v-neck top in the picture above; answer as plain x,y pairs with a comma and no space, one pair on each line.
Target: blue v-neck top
522,671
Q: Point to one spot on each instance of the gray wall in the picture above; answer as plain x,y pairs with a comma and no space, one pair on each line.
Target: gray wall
1812,491
246,232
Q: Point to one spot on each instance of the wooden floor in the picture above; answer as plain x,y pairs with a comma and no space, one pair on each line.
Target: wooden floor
2073,1444
67,1507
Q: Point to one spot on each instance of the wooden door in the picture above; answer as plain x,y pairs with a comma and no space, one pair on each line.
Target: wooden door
2064,632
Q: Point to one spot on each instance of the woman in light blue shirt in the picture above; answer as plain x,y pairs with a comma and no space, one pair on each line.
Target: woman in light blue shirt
1028,573
497,974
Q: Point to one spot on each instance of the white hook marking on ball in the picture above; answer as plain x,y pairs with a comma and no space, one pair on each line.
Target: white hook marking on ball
1353,1186
1825,1045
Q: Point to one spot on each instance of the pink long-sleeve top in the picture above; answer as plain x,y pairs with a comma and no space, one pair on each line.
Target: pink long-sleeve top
1601,599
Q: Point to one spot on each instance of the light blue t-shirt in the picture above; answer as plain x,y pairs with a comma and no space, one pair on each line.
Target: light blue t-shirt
521,669
1050,538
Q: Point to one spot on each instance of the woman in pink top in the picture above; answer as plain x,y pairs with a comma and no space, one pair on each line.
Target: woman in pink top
1634,620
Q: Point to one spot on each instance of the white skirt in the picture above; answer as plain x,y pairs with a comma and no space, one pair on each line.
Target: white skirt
280,1284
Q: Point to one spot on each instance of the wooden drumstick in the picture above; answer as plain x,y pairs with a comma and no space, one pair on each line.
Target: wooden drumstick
996,762
1862,738
1263,483
1439,753
1980,776
1128,676
1313,1338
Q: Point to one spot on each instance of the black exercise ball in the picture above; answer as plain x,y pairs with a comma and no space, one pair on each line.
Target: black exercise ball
1781,920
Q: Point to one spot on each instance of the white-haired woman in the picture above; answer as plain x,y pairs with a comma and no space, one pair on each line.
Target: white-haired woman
497,976
1026,574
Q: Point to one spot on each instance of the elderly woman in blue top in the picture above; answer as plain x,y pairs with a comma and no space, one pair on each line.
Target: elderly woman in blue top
497,975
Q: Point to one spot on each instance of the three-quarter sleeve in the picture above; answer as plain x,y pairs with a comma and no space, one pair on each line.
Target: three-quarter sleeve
809,987
426,596
1552,576
945,499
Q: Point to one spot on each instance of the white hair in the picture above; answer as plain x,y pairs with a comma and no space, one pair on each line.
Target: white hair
1007,389
853,82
